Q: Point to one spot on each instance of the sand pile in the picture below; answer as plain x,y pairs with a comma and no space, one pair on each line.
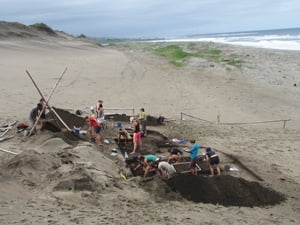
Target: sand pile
33,168
58,166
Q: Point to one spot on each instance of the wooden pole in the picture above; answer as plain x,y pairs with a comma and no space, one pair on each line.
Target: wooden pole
49,97
7,151
47,103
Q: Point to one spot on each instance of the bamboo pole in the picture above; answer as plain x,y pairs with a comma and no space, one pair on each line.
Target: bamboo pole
47,103
7,151
49,97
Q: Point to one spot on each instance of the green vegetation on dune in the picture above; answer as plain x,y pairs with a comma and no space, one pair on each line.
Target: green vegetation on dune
179,54
174,53
43,27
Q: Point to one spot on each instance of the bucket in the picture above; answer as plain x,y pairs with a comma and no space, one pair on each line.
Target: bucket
119,124
25,133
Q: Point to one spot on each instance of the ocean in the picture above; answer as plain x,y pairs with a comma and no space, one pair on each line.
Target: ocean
285,39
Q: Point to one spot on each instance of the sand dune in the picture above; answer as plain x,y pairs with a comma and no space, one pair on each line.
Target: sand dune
59,181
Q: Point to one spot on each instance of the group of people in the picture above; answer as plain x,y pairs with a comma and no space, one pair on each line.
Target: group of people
148,162
95,121
211,157
152,164
165,169
137,123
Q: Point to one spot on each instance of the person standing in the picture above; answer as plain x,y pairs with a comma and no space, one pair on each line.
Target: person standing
213,161
99,109
137,136
193,154
94,129
143,121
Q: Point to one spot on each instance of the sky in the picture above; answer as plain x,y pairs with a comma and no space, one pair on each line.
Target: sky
153,18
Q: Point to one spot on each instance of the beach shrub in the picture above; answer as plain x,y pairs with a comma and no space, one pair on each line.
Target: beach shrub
174,53
234,61
214,52
18,25
81,36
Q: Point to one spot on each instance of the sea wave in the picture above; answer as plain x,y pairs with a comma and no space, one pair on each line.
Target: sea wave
282,42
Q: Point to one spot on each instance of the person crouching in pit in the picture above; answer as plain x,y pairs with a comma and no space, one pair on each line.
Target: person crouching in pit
213,161
149,162
94,129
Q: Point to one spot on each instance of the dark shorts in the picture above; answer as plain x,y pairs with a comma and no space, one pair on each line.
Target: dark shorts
193,163
97,129
144,125
43,116
214,161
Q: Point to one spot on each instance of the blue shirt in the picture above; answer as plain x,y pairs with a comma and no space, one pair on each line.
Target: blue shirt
194,151
150,158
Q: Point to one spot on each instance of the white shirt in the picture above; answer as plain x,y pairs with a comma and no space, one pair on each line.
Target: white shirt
167,167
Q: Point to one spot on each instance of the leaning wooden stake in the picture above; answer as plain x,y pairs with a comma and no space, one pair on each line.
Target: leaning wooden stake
49,97
47,103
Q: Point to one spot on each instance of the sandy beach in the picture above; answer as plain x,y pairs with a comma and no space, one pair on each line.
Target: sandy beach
37,186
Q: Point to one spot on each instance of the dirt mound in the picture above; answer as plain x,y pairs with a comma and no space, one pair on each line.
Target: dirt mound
70,119
225,190
151,120
159,189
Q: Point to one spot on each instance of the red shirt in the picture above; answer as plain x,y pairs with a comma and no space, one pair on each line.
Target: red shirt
93,122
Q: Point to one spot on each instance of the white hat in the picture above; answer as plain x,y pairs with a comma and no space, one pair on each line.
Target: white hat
92,108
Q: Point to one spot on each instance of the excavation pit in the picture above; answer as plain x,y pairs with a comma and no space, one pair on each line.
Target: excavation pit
151,120
153,143
224,190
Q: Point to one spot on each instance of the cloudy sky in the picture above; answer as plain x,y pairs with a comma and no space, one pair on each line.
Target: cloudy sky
153,18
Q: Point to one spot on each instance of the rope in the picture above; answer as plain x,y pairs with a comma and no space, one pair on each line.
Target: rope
194,117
